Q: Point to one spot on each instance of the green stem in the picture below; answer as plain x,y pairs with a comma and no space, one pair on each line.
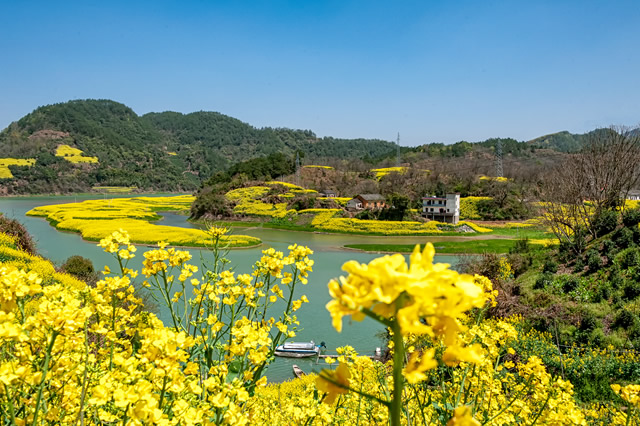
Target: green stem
83,396
164,388
45,370
11,409
398,380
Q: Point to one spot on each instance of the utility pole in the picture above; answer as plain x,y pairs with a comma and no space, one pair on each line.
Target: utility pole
298,168
499,171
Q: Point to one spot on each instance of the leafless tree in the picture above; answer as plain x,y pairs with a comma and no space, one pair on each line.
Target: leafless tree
596,179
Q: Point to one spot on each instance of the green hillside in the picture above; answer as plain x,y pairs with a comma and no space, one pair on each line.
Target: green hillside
166,151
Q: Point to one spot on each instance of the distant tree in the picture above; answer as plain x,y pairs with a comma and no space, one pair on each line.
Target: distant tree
578,192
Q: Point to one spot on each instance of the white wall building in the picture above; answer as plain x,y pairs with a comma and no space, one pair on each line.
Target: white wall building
445,210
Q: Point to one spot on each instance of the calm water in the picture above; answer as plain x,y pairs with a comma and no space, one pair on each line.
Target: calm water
328,256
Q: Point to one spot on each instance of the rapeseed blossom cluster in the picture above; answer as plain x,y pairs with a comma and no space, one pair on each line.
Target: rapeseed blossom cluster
73,354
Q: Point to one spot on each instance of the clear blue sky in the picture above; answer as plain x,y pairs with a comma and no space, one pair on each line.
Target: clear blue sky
436,71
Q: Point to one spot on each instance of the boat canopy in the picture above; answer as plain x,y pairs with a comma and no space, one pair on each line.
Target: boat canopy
301,345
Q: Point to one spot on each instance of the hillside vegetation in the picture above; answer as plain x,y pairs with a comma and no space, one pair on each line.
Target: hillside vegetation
166,151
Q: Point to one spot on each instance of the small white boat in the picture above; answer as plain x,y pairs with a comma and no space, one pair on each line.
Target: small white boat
299,349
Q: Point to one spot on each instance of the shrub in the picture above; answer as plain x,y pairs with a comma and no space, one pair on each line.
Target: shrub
615,278
80,267
624,319
594,261
630,258
623,238
631,217
12,227
631,290
550,266
579,266
605,222
544,280
570,283
609,250
521,246
603,292
588,322
520,263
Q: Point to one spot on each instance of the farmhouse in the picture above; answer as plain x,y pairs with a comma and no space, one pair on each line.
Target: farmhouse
445,210
367,201
327,193
633,194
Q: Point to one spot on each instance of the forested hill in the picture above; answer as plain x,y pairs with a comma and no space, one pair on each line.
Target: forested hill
166,151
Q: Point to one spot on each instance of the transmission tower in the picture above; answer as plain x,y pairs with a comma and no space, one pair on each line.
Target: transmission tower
398,150
499,171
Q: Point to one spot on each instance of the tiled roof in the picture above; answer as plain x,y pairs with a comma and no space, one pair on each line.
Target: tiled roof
372,197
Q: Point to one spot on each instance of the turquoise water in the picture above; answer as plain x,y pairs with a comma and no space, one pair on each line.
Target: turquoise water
328,255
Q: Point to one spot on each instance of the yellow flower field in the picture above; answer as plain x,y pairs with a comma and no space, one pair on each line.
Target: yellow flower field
74,354
317,167
95,219
468,207
380,173
74,155
5,172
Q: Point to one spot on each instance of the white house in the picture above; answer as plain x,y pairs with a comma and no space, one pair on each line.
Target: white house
445,210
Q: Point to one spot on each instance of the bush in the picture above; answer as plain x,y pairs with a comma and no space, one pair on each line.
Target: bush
624,319
630,258
12,227
631,217
605,222
632,290
609,250
550,266
603,292
579,266
521,246
615,278
520,263
594,261
543,281
80,267
570,283
623,238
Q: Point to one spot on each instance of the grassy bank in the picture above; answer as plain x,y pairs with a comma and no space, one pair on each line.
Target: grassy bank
448,247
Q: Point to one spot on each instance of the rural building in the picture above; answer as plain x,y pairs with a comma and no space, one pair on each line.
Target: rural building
327,193
633,194
445,209
367,201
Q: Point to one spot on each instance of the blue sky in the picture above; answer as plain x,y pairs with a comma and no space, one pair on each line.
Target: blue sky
435,71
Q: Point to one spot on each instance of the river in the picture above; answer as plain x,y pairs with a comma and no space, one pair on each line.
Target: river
329,256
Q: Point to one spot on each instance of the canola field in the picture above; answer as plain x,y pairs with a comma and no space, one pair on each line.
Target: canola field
74,155
75,354
5,172
95,219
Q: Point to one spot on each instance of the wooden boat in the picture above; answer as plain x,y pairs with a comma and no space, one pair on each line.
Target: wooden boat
297,371
298,349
